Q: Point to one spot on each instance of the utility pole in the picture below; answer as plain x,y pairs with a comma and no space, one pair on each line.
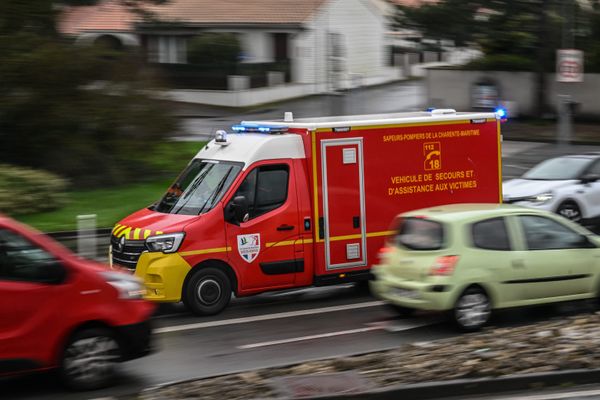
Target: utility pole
542,59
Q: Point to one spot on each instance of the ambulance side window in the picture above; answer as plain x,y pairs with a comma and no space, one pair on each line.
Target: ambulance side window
265,188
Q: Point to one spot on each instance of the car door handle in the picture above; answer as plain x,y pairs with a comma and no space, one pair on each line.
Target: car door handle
518,264
285,227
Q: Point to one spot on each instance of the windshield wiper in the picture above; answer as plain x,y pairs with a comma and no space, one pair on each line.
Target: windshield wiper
189,191
218,189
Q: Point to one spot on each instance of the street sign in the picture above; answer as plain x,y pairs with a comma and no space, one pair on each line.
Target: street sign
569,65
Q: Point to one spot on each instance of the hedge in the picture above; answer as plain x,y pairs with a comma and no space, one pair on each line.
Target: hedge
27,191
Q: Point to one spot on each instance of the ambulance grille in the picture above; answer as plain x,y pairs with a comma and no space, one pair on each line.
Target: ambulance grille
127,253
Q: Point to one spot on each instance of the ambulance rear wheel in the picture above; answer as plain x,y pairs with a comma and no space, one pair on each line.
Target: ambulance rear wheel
208,291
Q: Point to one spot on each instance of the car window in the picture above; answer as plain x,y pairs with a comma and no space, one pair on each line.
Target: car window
543,233
560,168
21,260
490,234
594,169
420,234
265,188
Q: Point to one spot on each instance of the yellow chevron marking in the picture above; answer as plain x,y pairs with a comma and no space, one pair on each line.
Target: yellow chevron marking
125,232
118,231
115,228
205,251
147,233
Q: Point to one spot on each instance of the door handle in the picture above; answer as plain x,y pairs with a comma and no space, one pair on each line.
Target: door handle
518,264
285,227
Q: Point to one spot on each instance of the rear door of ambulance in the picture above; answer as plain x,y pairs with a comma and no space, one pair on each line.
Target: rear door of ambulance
339,176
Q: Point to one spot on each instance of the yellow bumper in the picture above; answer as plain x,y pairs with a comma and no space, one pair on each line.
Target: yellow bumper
163,275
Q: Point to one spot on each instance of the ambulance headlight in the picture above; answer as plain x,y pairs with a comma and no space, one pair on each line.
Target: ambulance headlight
167,243
541,198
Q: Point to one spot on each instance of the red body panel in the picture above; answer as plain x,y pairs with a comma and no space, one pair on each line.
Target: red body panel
36,319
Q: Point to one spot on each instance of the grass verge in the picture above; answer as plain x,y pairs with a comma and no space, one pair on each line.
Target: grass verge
112,204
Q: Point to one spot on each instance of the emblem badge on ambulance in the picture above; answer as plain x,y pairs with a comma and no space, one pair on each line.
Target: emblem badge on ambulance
249,246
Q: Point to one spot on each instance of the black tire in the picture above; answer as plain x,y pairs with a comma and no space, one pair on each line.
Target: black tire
403,312
472,309
89,359
570,210
208,291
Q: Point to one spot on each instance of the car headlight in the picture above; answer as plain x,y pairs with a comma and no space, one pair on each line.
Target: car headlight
167,243
128,286
541,198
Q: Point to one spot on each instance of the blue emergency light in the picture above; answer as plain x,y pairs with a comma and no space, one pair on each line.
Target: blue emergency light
501,113
250,128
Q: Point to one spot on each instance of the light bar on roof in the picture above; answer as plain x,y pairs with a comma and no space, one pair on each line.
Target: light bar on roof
250,128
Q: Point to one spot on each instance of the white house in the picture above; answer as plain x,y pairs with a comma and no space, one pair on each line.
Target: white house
329,44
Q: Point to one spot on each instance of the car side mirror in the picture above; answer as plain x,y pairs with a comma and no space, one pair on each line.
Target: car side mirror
238,210
588,178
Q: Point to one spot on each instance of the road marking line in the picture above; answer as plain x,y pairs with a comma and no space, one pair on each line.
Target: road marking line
555,396
373,327
311,337
267,317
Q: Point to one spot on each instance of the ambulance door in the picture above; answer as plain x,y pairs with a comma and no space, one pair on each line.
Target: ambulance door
343,203
262,247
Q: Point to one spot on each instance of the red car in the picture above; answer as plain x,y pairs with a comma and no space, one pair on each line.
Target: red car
58,311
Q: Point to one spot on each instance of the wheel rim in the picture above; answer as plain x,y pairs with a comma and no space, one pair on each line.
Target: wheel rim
90,359
209,292
472,310
571,212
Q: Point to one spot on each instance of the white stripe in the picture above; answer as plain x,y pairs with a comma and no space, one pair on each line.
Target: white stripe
245,320
311,337
555,396
329,334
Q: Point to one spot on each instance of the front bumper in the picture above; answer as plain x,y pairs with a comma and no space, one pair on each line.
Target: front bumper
135,340
163,275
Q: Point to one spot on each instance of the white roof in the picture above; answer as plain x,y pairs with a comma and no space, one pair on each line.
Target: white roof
252,147
439,115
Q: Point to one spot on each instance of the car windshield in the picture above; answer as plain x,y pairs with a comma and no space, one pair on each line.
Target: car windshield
420,234
199,187
561,168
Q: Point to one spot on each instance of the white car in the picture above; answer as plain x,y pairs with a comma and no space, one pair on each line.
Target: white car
567,185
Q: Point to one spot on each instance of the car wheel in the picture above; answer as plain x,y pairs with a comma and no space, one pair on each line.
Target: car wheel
570,210
89,359
208,291
401,311
472,309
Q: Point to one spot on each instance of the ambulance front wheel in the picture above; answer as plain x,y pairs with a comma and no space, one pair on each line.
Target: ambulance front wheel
207,292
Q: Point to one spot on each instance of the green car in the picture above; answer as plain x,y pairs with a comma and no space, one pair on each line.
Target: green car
473,258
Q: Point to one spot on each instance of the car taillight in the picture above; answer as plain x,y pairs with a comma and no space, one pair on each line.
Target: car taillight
382,251
444,265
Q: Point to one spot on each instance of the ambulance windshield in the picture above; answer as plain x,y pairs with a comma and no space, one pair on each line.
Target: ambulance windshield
199,187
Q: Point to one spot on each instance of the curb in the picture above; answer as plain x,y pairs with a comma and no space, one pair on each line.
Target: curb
444,389
479,386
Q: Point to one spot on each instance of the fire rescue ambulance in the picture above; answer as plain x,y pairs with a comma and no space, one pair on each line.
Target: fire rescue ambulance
284,204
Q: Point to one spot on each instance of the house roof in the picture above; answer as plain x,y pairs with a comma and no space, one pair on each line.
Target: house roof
112,15
109,15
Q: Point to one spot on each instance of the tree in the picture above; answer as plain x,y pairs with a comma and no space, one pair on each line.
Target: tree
214,48
77,111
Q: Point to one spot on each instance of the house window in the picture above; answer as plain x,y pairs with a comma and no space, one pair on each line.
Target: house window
167,49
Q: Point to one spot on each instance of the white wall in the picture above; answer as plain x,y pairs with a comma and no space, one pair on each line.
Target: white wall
452,89
362,31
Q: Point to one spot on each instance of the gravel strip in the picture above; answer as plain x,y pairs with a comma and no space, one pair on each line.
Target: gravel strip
562,344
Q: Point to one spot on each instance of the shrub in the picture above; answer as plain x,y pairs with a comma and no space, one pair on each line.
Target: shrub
26,191
502,62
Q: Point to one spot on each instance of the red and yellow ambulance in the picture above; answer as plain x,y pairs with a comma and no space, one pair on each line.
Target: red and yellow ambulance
283,204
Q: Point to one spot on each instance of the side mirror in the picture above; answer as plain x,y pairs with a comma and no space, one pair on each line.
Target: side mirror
588,178
238,210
